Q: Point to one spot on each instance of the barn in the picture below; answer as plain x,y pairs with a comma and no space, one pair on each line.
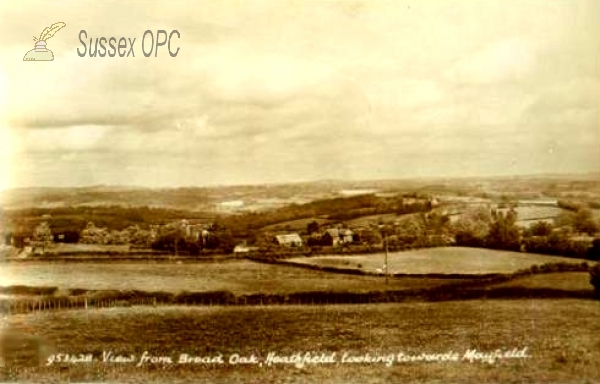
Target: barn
288,240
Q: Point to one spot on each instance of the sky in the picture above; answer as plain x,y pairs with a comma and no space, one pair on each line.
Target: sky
286,91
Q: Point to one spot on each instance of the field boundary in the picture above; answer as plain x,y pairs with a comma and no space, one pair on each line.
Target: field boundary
119,257
467,290
534,269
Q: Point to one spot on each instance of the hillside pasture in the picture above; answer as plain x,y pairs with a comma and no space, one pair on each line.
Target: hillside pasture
373,219
294,225
443,260
560,337
237,276
567,281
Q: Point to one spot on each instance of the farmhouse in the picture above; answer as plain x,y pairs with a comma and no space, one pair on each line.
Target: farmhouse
335,237
288,240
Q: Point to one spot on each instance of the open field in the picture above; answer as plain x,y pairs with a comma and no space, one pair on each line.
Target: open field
373,219
446,260
237,276
58,248
295,225
535,212
560,337
568,281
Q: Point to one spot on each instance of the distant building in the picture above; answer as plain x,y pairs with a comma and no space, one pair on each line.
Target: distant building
288,240
243,248
94,235
335,237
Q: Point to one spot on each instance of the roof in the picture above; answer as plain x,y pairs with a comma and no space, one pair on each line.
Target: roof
244,248
335,232
289,238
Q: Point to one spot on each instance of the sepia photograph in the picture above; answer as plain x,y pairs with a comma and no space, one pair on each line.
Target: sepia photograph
300,191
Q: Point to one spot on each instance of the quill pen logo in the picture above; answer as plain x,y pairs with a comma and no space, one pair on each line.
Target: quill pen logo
40,52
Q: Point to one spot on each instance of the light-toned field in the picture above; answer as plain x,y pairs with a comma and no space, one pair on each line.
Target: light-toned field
237,276
536,212
57,248
446,260
561,337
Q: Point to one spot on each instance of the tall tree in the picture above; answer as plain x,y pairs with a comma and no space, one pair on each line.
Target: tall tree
541,228
504,233
312,227
43,235
584,221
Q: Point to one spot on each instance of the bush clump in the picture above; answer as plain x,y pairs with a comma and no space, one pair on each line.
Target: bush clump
595,278
28,290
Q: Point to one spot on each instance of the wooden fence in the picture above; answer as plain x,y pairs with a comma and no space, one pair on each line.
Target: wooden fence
28,304
223,298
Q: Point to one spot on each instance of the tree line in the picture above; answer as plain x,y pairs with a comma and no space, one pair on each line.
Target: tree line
499,230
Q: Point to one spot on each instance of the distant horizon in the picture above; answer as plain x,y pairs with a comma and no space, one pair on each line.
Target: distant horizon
574,175
270,92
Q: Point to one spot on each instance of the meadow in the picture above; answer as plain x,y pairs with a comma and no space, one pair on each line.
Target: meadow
561,347
443,260
567,281
236,276
62,248
295,225
536,212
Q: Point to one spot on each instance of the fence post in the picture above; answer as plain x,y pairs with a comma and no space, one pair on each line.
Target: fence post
86,303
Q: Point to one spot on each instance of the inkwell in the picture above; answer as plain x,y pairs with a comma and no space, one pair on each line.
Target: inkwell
40,52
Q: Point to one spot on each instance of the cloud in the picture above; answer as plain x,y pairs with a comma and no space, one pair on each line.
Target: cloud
266,91
505,60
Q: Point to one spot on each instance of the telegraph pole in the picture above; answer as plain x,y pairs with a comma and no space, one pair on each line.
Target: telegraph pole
385,240
386,257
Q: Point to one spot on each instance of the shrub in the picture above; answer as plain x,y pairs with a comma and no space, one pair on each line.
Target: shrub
28,290
595,278
210,297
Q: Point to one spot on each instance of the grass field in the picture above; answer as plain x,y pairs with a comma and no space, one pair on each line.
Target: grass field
568,281
295,225
561,337
536,212
238,276
57,248
373,219
448,260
